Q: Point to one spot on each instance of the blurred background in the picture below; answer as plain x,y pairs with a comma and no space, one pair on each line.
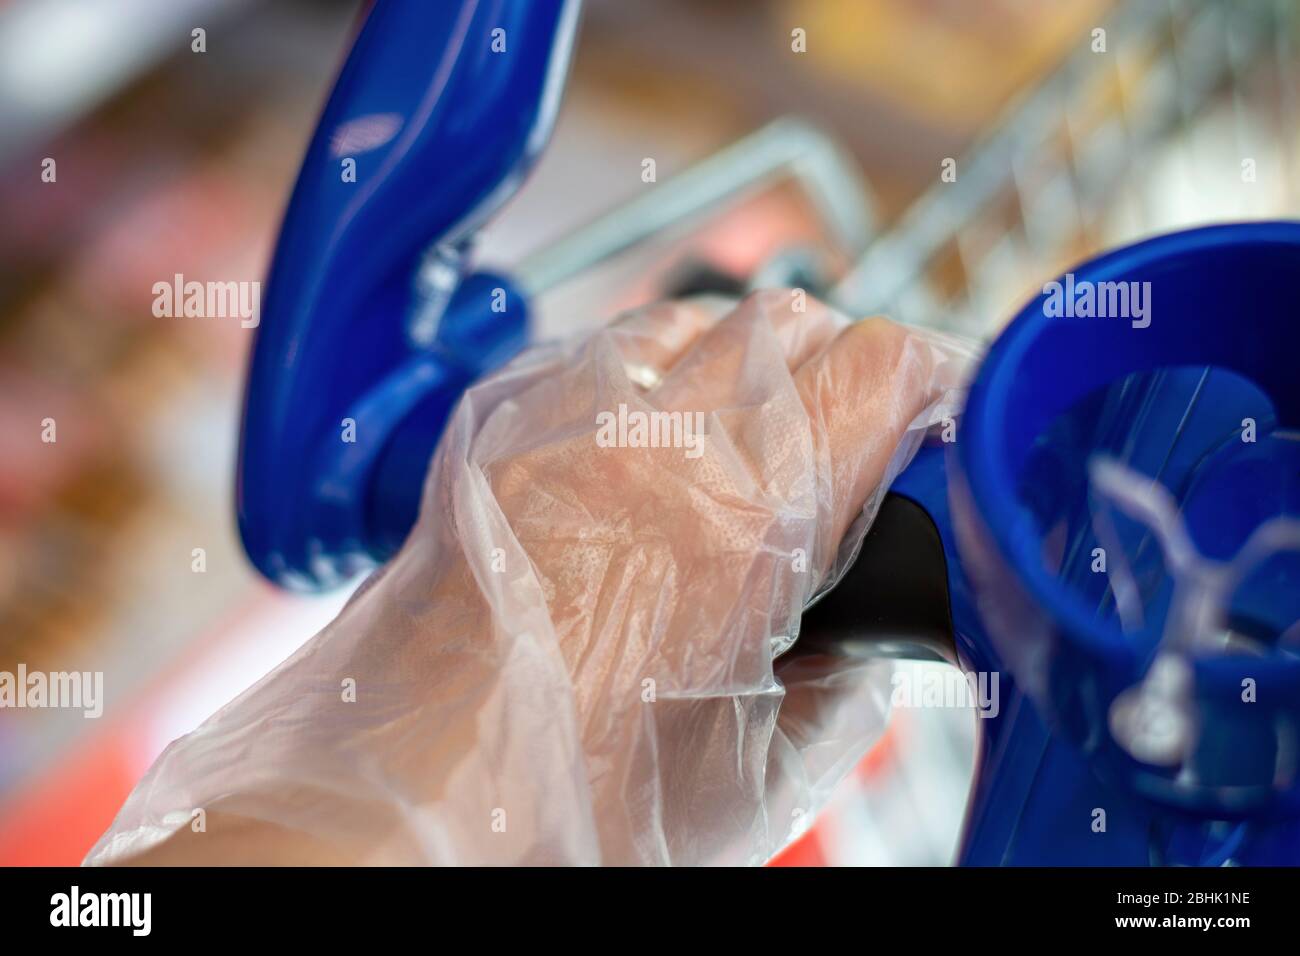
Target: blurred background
1070,127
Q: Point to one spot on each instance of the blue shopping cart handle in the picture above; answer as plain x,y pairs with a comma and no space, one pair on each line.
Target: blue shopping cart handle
958,568
366,338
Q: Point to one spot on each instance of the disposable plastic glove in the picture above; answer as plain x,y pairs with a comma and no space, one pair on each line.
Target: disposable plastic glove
573,659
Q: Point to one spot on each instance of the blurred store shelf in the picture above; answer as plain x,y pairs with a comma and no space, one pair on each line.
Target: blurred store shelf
60,59
167,161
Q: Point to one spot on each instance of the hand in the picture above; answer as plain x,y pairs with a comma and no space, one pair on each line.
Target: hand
573,658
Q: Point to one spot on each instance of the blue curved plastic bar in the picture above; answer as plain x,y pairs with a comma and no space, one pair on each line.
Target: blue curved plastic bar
1222,297
436,115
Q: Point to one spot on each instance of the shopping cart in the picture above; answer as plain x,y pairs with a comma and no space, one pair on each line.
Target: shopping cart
436,142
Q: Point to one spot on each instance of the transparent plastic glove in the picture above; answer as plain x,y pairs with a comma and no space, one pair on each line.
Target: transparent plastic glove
573,658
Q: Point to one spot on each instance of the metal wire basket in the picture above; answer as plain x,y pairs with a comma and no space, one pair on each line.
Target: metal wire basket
1176,113
1171,113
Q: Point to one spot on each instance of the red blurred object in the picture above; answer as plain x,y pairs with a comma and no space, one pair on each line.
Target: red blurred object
56,821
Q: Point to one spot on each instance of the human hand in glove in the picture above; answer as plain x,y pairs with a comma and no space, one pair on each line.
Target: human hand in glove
573,659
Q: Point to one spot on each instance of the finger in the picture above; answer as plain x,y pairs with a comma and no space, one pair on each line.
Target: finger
834,710
861,394
651,340
803,325
732,362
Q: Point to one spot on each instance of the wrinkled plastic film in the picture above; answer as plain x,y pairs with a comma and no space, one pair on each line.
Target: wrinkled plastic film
1156,720
573,659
